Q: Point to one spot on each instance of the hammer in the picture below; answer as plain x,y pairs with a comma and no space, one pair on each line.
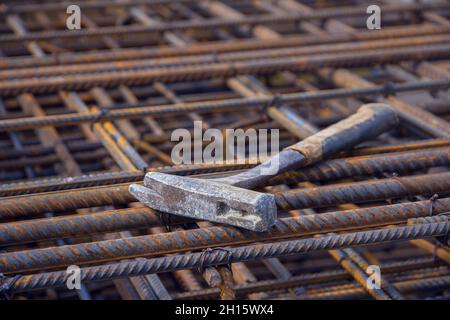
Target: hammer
228,200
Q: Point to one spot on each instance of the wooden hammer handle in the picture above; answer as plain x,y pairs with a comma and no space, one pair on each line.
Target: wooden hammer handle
370,121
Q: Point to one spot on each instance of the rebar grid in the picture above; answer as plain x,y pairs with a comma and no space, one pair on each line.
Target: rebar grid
85,113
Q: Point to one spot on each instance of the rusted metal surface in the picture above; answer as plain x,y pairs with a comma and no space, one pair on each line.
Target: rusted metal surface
359,192
176,241
85,113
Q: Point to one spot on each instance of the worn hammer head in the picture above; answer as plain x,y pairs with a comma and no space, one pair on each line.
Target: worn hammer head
207,200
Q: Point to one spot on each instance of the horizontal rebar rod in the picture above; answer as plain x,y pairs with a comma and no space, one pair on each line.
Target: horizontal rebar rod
210,106
137,65
149,67
81,225
355,292
322,196
216,46
62,5
301,280
84,147
335,169
25,206
194,239
357,192
219,22
221,69
407,146
393,163
216,257
296,281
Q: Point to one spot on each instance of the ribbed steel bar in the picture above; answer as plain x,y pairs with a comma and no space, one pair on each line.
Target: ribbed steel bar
386,288
323,196
81,225
280,64
220,22
46,136
35,150
437,250
117,66
116,220
301,128
221,69
51,159
336,169
418,275
416,117
358,192
258,251
359,274
96,4
217,46
25,206
210,106
415,145
194,239
115,141
294,281
353,292
77,225
396,162
298,281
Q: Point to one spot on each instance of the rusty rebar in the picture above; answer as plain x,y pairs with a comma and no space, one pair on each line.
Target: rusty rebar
401,162
191,260
195,239
133,113
219,22
260,64
358,192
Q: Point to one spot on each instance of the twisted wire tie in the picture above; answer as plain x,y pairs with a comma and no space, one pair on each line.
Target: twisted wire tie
276,101
388,89
207,251
100,116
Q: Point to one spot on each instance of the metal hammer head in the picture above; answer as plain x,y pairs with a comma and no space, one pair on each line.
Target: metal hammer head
207,200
